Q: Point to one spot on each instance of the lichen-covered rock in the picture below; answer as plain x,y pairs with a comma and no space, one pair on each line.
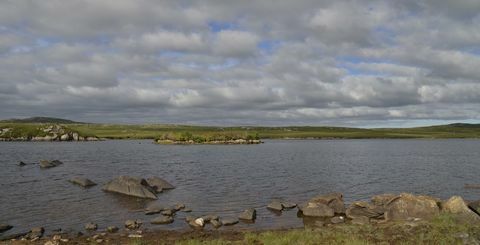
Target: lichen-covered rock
133,224
130,186
406,206
314,209
333,200
459,209
382,199
364,209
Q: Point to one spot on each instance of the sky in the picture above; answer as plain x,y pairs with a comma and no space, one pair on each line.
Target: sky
265,62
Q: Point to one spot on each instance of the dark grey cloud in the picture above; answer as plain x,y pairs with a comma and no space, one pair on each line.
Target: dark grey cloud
352,62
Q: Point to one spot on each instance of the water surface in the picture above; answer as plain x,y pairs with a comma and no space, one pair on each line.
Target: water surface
224,180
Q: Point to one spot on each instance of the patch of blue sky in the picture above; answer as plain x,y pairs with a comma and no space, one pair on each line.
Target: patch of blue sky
229,63
269,46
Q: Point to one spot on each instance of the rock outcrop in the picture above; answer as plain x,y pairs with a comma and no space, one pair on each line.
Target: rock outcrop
406,206
50,164
52,132
131,186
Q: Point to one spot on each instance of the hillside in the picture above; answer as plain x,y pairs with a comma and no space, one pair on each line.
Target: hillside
168,131
39,120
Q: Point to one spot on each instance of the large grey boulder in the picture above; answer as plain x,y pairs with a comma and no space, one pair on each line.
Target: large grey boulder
159,184
333,200
459,209
130,186
314,209
406,206
364,209
248,215
49,164
84,182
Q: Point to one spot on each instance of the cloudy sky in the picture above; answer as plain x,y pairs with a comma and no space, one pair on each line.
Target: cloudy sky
265,62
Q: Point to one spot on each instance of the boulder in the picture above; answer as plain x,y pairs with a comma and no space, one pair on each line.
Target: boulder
361,220
364,209
459,209
65,137
407,206
288,205
5,227
382,199
168,212
210,218
229,221
130,186
49,164
112,229
333,200
216,223
249,214
161,220
313,209
275,206
35,233
83,182
475,206
179,207
133,224
159,184
91,227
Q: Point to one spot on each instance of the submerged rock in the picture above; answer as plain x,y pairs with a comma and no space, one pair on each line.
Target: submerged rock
159,184
179,206
5,227
50,164
160,220
249,214
406,206
154,208
457,206
168,212
210,217
288,205
229,221
84,182
130,186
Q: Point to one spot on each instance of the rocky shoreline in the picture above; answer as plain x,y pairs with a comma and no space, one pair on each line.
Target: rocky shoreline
48,133
320,212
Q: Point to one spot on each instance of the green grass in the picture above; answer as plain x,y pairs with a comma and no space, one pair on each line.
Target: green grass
153,131
442,230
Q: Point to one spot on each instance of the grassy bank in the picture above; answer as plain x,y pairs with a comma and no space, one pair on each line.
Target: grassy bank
155,131
442,230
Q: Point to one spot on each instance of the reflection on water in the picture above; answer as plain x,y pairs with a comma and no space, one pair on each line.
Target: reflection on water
224,180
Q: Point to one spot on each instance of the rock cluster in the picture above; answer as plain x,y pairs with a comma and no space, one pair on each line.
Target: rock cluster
53,132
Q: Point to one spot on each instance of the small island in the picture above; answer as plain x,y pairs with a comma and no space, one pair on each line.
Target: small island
187,138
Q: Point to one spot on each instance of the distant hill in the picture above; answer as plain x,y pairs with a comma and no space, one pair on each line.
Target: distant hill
40,120
464,125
